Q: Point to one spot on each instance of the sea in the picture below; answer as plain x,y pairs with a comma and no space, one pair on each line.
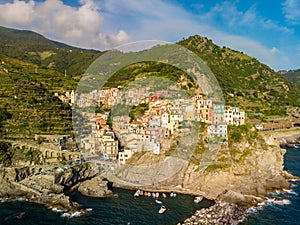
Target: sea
287,210
130,210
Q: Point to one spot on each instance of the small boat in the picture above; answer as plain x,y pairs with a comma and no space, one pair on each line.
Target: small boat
145,193
157,195
153,195
174,195
164,195
149,194
171,194
89,209
198,199
158,202
141,193
20,215
162,209
137,193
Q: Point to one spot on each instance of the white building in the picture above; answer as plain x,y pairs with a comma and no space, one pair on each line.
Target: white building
217,130
109,146
123,156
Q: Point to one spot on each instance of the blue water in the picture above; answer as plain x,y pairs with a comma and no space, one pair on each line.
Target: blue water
143,210
123,210
286,212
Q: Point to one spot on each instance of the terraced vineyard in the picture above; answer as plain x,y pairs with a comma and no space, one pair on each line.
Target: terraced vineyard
27,94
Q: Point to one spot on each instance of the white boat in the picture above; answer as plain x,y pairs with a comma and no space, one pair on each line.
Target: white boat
137,193
198,199
89,209
164,195
171,194
149,194
174,195
158,202
141,193
153,195
157,195
162,209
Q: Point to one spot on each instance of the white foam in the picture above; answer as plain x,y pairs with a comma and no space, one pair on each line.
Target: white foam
279,202
58,210
293,180
66,215
75,214
283,202
252,210
261,204
290,191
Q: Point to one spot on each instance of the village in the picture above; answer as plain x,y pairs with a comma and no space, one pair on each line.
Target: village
158,121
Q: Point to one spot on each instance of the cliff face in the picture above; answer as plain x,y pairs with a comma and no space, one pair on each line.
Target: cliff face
259,172
241,173
17,174
74,176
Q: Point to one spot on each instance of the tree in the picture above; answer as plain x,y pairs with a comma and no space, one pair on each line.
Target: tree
6,153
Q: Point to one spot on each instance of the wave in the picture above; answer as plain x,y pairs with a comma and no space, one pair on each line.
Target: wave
279,202
290,191
58,210
252,210
71,215
293,181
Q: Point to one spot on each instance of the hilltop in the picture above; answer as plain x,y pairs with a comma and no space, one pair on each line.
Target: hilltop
244,80
32,47
292,75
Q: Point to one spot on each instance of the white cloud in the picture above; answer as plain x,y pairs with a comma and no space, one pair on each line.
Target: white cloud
18,12
80,26
291,10
160,20
233,18
274,50
107,23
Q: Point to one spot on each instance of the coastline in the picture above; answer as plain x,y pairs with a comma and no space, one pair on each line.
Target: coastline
221,212
61,202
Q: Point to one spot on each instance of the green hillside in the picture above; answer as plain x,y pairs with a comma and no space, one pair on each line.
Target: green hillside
244,80
292,75
28,105
35,70
32,47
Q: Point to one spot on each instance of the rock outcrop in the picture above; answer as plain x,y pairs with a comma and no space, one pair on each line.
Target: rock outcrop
220,213
74,176
49,188
253,168
96,188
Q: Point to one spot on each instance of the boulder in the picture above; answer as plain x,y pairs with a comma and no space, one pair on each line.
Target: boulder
234,197
96,188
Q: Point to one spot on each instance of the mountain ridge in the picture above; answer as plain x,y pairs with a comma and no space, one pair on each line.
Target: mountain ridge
246,83
32,47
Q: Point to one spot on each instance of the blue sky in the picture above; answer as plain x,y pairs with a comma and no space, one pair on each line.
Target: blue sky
267,30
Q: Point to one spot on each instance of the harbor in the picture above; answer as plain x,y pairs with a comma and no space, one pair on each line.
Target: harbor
126,209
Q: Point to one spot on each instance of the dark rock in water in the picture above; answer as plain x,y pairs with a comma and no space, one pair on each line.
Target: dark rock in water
96,187
220,213
109,185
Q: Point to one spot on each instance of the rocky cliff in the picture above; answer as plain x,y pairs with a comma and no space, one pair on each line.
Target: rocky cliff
247,177
74,176
242,172
49,187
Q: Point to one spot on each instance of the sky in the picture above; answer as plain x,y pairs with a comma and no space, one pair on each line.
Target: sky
264,29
